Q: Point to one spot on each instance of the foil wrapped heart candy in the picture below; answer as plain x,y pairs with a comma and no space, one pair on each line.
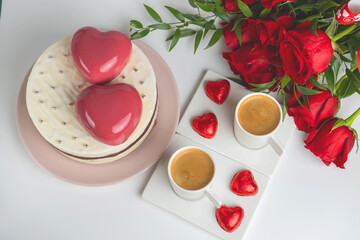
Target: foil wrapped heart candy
244,184
217,91
205,125
229,218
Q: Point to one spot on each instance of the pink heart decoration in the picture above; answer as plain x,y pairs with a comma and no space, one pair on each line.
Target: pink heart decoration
229,218
100,56
109,113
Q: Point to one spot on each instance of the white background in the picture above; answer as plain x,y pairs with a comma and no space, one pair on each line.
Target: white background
304,200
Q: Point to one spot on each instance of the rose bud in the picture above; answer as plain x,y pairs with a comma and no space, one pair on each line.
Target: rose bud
231,5
303,53
331,145
322,106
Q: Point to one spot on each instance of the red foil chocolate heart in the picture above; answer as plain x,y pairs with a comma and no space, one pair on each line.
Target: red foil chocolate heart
217,91
205,125
229,218
109,113
244,184
100,56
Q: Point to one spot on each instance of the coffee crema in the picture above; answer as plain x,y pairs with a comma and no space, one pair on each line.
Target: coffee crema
259,115
192,169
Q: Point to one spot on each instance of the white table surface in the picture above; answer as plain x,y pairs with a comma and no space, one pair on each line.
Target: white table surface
304,200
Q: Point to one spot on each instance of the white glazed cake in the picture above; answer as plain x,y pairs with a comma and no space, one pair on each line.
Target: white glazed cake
53,86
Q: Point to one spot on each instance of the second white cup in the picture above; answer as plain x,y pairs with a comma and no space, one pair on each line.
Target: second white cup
192,173
253,141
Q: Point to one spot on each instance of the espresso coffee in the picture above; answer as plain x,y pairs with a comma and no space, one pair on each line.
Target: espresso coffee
192,169
259,115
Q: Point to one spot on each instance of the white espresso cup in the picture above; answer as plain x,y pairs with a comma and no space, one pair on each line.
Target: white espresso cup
197,193
253,141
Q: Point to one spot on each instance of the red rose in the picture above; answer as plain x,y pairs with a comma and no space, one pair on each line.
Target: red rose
303,53
331,146
322,106
286,20
252,64
230,36
231,6
270,3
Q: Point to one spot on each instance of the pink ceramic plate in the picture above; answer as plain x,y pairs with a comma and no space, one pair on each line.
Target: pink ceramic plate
141,159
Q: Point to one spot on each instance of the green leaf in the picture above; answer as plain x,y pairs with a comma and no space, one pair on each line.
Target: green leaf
306,101
176,13
244,8
264,13
352,51
237,21
330,79
136,24
197,40
175,39
284,105
345,59
337,56
183,33
153,13
193,17
222,15
306,91
305,7
284,81
344,33
238,80
330,31
220,12
161,26
215,38
238,33
313,26
354,80
141,34
327,5
336,65
205,7
295,94
208,26
262,86
345,89
191,2
316,83
202,23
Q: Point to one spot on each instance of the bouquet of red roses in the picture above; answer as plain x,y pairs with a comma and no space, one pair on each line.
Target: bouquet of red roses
295,48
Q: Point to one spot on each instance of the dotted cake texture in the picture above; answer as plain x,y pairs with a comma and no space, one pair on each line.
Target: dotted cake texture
53,86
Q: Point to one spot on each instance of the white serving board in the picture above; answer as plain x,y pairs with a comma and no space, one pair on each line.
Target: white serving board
264,160
229,156
201,212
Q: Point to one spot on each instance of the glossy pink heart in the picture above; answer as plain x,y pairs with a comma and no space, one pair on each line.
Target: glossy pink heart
100,56
109,113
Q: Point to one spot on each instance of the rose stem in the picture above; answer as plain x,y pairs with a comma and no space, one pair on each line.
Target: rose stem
351,119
